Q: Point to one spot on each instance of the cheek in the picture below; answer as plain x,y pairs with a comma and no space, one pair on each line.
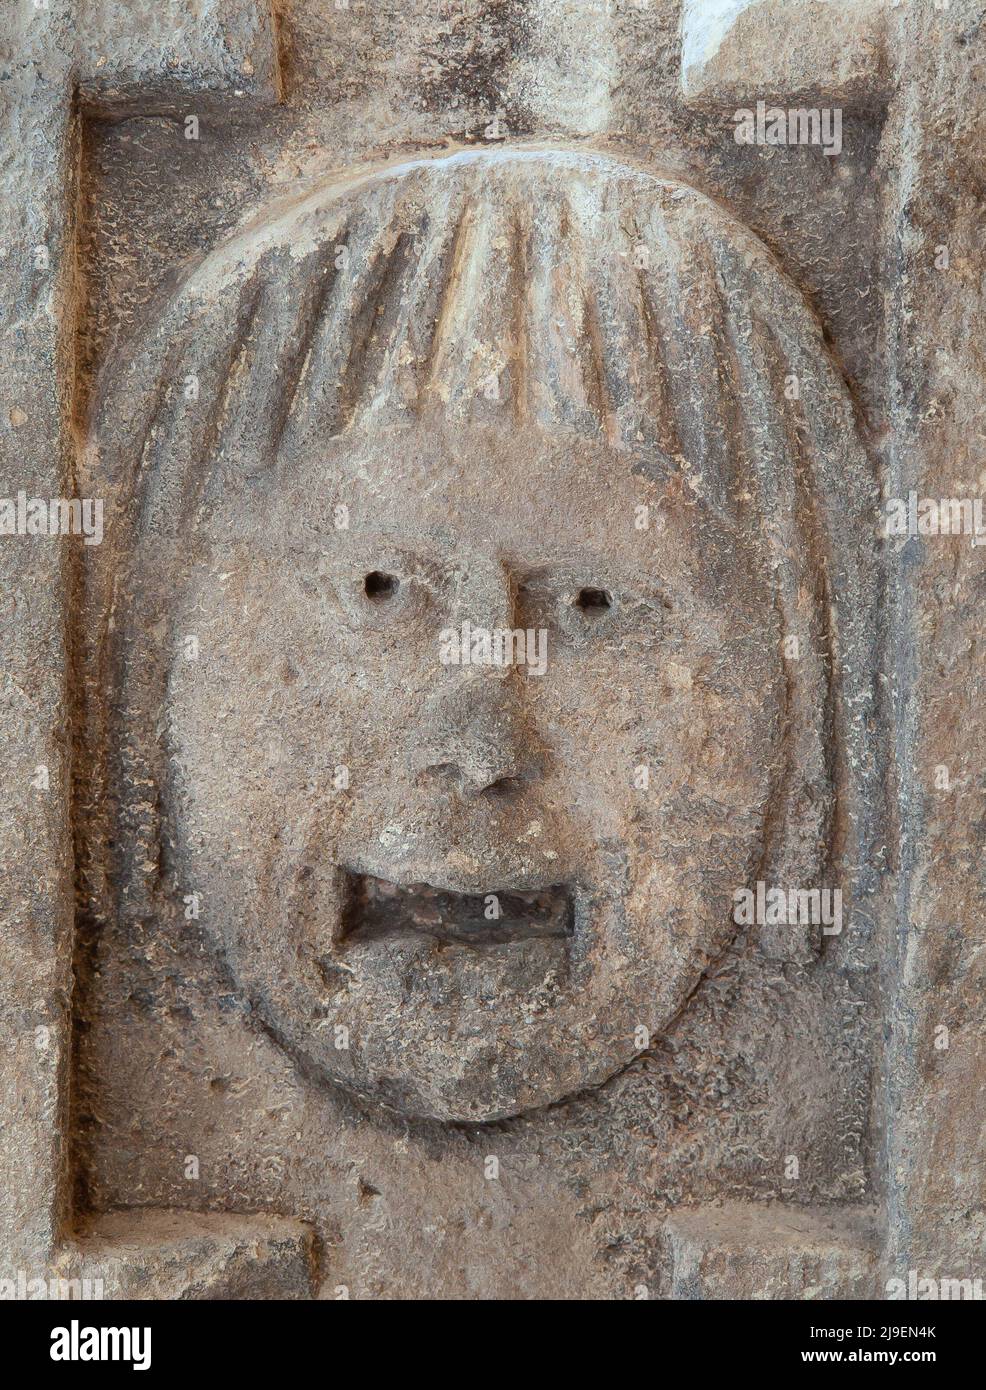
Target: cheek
703,705
249,724
269,716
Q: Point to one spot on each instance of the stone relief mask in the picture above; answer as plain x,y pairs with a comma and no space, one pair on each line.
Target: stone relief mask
533,391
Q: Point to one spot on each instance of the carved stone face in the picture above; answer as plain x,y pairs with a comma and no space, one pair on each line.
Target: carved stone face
359,918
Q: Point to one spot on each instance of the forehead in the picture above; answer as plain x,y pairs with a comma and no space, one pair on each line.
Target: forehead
516,490
521,497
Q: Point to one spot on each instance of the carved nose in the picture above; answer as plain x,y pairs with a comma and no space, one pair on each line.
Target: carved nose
472,736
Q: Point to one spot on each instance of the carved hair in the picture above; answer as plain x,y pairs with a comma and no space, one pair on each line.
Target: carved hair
555,288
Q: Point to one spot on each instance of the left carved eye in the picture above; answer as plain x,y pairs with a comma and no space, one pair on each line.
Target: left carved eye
576,605
594,603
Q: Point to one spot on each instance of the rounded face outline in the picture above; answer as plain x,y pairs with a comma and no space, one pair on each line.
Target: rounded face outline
333,764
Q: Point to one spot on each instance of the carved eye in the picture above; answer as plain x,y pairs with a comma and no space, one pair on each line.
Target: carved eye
377,599
560,600
593,603
381,587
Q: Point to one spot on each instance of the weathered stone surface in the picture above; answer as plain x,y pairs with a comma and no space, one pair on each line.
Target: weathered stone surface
138,54
830,48
168,1254
365,322
750,1252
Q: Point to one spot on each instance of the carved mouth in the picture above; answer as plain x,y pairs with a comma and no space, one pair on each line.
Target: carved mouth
376,908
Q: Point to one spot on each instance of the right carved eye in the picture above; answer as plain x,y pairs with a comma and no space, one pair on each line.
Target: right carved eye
384,596
381,587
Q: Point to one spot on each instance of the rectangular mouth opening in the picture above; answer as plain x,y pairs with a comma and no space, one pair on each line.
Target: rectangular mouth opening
377,908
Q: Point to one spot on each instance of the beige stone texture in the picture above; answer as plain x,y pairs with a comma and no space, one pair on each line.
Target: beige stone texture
345,952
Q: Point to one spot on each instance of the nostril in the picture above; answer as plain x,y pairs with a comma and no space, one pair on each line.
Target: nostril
444,771
503,787
472,780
